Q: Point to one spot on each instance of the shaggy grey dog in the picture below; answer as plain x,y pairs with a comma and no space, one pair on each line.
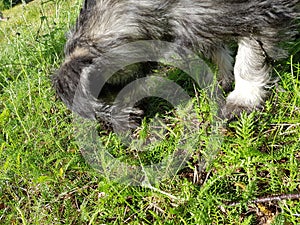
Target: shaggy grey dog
203,26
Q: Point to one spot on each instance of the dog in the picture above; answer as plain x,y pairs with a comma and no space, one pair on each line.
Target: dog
203,26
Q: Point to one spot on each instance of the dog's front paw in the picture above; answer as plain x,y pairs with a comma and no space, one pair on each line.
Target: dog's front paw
127,118
237,103
232,111
120,118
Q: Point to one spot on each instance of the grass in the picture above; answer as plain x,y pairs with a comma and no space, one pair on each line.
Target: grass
45,179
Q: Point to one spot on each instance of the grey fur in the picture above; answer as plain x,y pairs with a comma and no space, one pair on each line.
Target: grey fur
204,26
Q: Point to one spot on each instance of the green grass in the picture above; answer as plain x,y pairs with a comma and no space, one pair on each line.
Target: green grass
44,178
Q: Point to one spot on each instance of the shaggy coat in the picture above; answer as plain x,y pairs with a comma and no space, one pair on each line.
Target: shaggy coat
203,26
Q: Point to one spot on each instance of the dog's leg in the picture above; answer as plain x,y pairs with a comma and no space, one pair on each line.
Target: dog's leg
251,72
221,56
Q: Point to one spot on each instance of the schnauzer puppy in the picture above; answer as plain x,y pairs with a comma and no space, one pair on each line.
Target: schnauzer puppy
203,26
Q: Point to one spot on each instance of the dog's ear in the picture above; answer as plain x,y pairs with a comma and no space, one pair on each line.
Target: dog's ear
67,79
